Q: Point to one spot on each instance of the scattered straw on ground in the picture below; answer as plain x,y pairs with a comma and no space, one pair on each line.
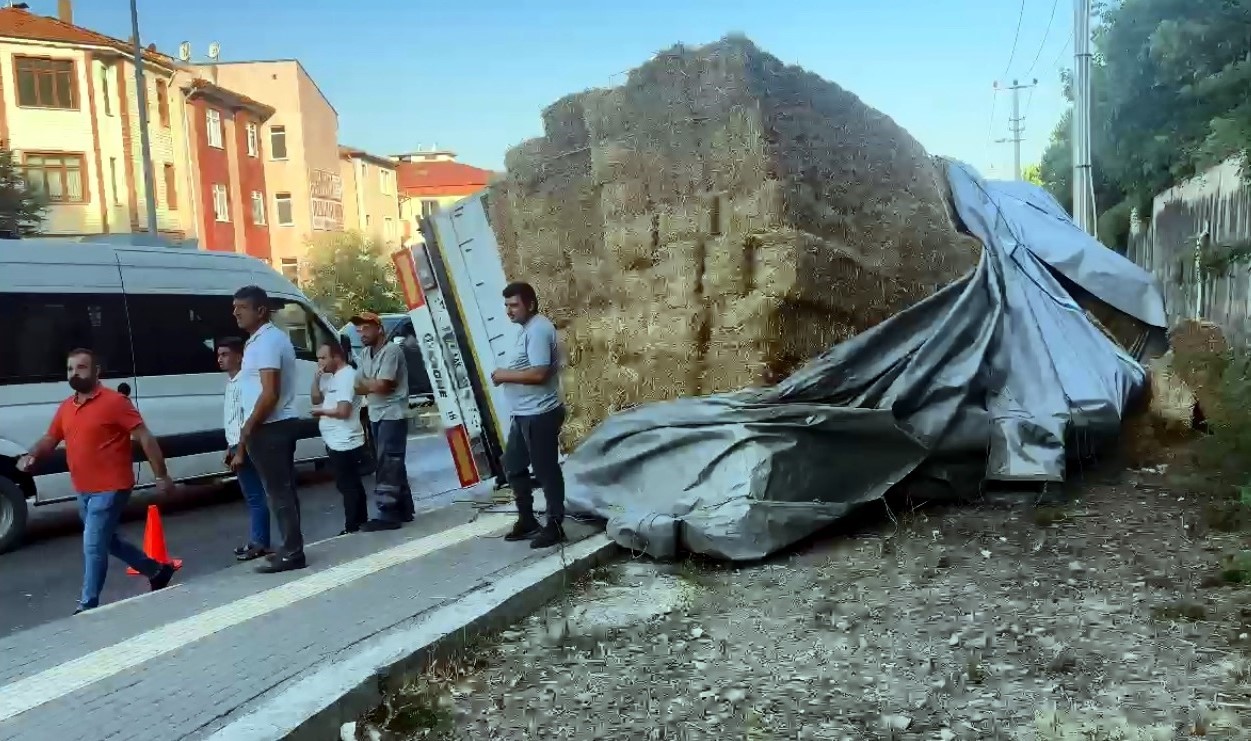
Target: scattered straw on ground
1112,617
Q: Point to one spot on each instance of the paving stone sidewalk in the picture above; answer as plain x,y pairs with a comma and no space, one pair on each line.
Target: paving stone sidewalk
183,662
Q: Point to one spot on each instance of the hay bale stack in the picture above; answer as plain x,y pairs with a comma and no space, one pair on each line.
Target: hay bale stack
715,222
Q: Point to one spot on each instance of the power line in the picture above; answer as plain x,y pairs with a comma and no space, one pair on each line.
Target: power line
1062,50
990,127
1016,38
1055,4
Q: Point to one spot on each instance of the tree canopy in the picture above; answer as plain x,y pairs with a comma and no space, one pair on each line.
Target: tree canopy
1171,96
349,273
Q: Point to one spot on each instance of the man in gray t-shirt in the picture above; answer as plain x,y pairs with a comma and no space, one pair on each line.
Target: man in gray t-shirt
383,376
531,382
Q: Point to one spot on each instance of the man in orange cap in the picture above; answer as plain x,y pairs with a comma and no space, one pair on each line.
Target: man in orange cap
383,376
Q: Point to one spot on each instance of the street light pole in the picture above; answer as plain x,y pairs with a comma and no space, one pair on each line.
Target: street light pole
145,145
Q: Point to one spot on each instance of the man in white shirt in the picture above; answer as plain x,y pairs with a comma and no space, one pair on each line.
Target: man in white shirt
230,359
337,407
271,421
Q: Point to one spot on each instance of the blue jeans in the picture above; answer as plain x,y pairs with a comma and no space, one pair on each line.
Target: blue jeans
393,499
254,495
101,513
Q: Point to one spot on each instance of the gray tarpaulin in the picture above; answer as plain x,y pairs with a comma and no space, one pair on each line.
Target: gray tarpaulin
1002,369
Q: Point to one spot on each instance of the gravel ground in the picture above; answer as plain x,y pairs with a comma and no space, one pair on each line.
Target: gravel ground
1120,615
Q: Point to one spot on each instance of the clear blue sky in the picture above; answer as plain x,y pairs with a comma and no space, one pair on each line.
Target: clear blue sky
473,76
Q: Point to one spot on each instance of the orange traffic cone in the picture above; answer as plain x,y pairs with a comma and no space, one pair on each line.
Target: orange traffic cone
154,541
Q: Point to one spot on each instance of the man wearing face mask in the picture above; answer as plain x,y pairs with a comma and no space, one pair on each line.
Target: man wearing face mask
97,425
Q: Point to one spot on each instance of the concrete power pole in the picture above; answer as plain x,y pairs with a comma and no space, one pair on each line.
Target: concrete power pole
145,145
1083,183
1016,125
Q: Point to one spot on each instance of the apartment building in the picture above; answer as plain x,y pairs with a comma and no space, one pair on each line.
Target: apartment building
229,194
371,202
430,181
299,150
69,110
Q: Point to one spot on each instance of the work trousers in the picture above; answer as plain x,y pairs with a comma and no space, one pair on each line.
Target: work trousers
534,443
272,450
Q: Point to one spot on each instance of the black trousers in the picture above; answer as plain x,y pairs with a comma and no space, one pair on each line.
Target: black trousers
272,450
346,465
534,442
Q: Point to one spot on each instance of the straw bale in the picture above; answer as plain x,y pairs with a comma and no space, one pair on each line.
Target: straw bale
1199,347
717,220
1172,400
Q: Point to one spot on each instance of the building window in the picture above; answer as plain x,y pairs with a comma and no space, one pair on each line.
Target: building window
117,193
291,269
387,182
429,207
277,142
221,203
171,187
367,221
388,229
162,102
105,97
253,137
46,83
214,121
58,176
258,208
282,206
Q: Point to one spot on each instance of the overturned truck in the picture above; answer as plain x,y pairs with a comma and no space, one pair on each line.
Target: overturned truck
778,306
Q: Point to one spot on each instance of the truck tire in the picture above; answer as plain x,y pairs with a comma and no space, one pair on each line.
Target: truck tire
12,514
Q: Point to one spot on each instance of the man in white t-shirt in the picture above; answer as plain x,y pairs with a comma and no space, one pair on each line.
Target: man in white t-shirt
337,407
230,360
271,421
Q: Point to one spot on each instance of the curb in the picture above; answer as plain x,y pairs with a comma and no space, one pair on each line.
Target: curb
317,706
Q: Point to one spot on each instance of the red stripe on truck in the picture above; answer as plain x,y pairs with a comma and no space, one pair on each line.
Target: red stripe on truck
406,273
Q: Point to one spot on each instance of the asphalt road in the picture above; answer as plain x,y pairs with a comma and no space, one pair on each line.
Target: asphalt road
41,580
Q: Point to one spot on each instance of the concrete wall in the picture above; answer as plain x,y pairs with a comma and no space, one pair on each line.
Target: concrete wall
1201,216
62,131
165,138
410,215
370,202
311,127
214,168
253,237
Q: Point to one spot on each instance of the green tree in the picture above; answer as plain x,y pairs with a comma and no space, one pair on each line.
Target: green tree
1169,82
349,273
1032,174
21,207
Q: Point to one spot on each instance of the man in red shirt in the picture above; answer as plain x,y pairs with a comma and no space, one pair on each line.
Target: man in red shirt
97,425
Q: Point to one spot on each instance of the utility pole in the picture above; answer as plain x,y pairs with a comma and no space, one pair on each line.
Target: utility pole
1016,125
145,145
1083,183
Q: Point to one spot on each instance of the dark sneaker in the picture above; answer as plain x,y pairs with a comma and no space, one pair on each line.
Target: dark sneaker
81,610
162,578
250,552
276,565
523,530
348,531
551,535
376,526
